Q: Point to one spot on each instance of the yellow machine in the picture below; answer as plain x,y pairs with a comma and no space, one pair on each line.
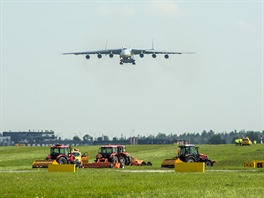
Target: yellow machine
42,163
246,141
85,158
80,158
169,163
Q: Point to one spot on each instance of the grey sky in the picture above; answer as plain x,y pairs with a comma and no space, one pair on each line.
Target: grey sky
219,88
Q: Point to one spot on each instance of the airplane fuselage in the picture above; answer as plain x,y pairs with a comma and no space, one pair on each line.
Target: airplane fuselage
126,56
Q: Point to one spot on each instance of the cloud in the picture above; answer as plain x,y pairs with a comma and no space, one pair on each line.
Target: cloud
167,8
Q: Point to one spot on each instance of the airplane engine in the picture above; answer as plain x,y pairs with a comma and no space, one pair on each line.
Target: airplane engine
154,55
87,56
99,55
166,56
111,55
141,55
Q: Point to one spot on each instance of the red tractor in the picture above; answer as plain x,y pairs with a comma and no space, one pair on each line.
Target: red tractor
188,153
61,153
110,156
109,153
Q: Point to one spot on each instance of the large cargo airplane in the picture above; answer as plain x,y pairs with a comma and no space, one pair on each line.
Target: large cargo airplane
126,54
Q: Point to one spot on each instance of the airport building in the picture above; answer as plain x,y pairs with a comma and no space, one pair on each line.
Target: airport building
5,141
31,137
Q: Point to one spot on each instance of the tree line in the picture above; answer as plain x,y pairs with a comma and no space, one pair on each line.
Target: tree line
204,137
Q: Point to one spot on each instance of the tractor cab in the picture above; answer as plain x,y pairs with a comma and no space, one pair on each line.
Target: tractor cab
106,151
57,150
188,152
121,149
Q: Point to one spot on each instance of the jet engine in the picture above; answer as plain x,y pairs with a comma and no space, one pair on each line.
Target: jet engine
99,55
154,55
141,55
166,56
87,56
111,55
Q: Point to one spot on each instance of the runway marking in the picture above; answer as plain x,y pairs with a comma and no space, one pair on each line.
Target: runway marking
131,171
170,171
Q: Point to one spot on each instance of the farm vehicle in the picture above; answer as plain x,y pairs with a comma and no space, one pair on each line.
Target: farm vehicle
245,141
110,156
80,158
187,153
62,154
107,157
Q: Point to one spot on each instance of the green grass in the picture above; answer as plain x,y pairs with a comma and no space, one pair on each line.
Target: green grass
228,178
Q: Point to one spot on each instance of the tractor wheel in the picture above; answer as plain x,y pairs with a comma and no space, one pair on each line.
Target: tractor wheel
62,160
114,159
126,158
149,164
189,159
122,162
208,163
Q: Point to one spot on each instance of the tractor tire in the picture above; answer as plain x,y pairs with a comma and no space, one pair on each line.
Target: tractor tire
190,159
78,164
149,164
62,160
122,162
208,163
126,158
114,160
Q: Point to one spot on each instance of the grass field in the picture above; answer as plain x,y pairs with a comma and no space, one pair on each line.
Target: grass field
228,178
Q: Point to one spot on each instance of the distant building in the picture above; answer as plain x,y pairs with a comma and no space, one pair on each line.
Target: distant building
31,137
133,140
5,141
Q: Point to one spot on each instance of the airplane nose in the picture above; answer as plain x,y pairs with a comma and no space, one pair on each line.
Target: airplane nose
125,53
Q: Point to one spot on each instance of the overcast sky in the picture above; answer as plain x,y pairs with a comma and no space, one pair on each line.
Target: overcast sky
220,87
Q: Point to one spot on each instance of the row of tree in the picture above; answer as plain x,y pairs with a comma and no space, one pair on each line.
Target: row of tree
205,137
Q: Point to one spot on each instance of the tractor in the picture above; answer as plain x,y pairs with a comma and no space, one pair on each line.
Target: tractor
188,153
60,153
107,157
110,156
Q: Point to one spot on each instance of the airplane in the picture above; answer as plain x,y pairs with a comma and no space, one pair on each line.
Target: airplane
126,54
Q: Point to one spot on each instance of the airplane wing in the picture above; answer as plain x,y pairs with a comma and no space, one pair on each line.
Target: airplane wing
106,51
165,52
151,51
